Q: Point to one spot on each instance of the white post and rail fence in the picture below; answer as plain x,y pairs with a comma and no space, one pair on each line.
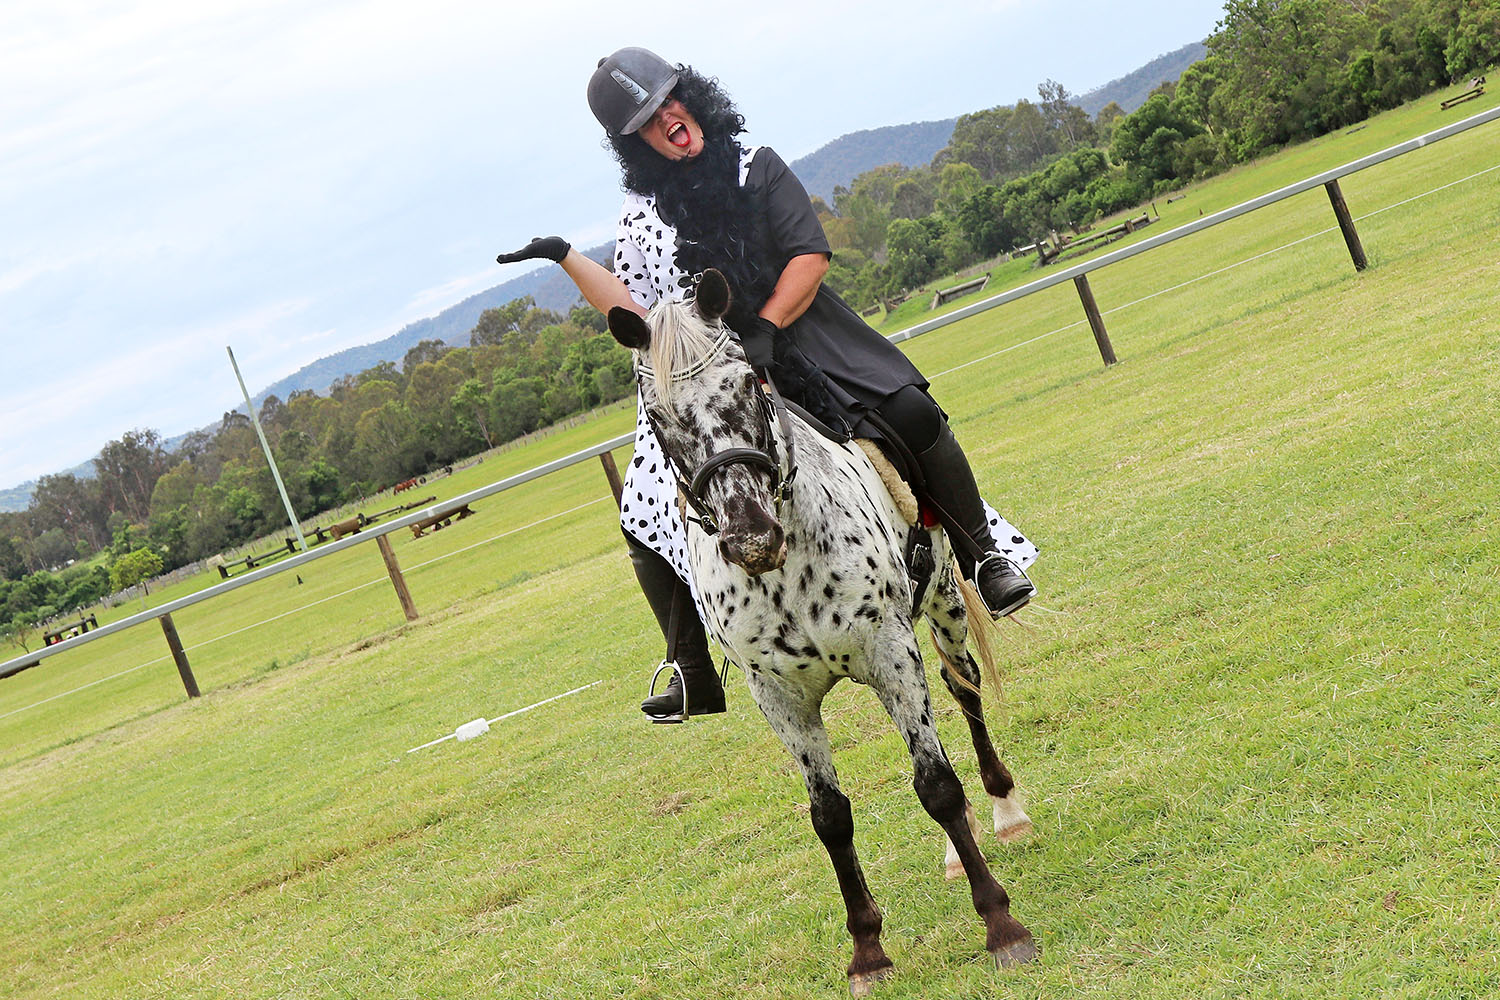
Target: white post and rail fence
1077,273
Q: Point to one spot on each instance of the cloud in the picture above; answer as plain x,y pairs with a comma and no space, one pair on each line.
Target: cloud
430,301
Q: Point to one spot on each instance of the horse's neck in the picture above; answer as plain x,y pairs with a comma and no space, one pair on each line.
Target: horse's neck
814,502
816,457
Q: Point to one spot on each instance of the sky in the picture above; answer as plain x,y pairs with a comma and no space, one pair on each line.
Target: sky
293,178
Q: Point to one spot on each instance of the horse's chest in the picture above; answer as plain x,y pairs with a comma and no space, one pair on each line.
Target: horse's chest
826,606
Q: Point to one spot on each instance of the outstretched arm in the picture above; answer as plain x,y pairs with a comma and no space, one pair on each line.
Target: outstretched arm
598,285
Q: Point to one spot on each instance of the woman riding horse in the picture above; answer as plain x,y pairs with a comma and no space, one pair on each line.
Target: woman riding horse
695,198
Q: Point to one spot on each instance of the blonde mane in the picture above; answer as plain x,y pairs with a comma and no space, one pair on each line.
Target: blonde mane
679,339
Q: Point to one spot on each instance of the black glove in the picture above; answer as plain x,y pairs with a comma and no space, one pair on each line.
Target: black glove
758,338
553,248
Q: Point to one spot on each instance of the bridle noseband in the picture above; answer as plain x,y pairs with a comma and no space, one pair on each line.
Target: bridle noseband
783,468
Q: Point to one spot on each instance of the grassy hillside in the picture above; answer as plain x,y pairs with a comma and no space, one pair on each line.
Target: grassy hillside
1253,710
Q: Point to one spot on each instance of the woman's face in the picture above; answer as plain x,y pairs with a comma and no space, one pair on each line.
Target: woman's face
673,131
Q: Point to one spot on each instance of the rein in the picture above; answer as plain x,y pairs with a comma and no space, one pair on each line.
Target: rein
783,468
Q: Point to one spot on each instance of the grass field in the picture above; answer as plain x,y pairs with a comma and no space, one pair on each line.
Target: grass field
1254,710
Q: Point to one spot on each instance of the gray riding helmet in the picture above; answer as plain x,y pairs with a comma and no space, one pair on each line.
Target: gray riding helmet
628,87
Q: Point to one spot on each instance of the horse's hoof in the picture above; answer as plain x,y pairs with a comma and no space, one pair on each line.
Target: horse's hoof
860,983
1011,821
1016,831
953,870
1016,953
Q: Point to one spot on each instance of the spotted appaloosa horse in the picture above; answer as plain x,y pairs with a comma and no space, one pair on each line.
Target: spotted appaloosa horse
815,591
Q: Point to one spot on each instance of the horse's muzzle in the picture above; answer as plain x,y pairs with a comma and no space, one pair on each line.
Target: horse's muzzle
755,552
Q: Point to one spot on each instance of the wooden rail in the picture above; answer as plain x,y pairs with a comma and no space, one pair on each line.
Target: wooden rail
1204,222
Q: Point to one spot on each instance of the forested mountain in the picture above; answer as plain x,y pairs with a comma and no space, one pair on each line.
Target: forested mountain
848,156
1131,90
548,287
17,497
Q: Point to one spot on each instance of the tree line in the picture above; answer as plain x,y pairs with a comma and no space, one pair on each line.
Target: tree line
1277,72
148,509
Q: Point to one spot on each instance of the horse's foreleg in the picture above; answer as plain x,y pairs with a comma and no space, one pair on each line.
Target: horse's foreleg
800,728
942,795
962,677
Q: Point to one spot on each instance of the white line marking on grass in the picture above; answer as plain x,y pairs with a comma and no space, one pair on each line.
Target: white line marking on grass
512,531
371,583
507,715
1441,187
1003,350
284,614
122,673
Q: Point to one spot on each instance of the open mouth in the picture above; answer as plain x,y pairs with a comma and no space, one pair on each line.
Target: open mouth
678,136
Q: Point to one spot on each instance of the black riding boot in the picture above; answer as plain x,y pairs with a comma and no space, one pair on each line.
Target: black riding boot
660,584
950,483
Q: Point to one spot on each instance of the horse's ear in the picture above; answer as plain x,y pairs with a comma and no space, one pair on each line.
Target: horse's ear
713,295
629,328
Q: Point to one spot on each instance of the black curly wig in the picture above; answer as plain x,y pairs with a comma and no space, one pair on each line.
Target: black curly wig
702,197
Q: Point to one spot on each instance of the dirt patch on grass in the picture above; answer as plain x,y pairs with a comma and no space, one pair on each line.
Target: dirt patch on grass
672,804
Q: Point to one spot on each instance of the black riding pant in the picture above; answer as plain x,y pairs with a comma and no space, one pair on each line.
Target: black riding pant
914,416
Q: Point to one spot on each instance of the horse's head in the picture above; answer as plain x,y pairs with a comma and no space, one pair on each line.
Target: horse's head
709,413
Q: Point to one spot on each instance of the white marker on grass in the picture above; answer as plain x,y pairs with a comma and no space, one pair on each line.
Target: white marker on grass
469,730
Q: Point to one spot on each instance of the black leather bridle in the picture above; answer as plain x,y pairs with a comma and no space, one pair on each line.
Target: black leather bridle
783,467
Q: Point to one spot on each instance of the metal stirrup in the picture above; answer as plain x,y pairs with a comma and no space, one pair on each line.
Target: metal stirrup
681,679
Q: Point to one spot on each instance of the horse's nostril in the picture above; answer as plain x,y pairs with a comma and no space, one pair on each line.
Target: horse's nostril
755,553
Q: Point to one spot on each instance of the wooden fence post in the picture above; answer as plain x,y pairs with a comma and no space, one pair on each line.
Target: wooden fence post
1096,321
408,607
612,473
179,656
1346,225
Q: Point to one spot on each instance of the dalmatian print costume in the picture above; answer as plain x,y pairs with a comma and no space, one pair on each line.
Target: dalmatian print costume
645,261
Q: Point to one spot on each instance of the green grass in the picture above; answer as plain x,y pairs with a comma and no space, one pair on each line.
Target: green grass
1254,711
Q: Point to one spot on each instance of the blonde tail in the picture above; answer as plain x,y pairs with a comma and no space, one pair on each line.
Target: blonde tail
981,632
